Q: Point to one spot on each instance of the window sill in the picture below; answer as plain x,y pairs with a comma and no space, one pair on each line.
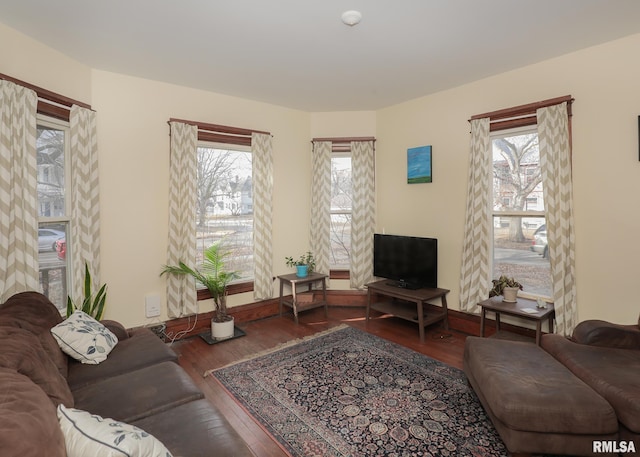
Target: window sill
232,289
339,274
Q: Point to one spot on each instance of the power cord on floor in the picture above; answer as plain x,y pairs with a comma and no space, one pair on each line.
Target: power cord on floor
189,329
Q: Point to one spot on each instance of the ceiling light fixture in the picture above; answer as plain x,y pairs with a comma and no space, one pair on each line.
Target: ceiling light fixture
351,17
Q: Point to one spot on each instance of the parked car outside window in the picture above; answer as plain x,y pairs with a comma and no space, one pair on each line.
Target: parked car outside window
47,239
539,244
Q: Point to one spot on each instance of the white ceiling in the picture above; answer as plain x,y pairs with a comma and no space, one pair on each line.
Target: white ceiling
298,53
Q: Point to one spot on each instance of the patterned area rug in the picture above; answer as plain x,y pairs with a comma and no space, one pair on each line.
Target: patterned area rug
350,393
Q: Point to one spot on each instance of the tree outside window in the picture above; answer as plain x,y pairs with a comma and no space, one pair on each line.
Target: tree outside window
341,205
519,229
224,207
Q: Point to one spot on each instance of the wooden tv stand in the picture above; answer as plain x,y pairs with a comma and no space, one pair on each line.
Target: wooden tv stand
396,303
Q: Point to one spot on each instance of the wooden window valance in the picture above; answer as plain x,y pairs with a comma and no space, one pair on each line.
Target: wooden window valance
49,103
343,144
521,116
221,133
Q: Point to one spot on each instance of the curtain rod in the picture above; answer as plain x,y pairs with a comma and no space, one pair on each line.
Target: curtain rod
524,110
219,128
47,96
345,139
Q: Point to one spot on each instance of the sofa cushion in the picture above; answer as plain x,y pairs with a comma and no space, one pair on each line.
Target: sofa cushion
34,312
195,429
89,434
137,394
84,338
611,372
607,334
143,348
28,424
528,390
22,352
116,328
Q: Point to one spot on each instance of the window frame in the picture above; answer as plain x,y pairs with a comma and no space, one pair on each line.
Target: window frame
494,213
215,133
240,286
57,123
342,144
341,273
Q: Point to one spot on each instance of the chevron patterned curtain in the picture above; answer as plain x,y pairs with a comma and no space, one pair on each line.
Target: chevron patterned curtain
363,212
320,242
181,290
85,198
475,276
262,171
555,164
18,190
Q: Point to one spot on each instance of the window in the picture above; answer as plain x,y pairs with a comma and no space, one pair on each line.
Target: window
519,229
53,210
224,208
341,203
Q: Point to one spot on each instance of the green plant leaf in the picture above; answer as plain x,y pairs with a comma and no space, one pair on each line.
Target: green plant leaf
93,306
212,275
70,306
87,282
98,304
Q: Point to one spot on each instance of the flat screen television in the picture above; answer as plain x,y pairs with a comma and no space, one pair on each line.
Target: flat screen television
407,261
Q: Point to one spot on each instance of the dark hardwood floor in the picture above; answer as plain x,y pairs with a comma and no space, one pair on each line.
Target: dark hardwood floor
196,356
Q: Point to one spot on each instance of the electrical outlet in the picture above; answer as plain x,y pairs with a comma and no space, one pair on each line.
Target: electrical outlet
152,305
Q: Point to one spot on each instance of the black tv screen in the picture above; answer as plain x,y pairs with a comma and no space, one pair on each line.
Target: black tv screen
408,261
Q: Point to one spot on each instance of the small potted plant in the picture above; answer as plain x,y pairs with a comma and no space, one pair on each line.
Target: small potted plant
304,265
216,279
507,287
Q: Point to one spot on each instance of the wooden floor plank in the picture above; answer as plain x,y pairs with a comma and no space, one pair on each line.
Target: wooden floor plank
196,356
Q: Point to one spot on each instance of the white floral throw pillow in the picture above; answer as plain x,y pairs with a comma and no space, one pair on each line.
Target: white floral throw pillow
84,338
86,434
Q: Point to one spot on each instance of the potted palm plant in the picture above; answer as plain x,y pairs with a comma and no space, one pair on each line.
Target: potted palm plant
507,287
304,265
215,278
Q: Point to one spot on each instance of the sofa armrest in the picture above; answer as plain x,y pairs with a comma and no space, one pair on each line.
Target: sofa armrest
117,328
607,334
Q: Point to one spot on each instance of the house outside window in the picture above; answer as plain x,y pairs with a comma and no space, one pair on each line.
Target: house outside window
224,207
341,205
54,248
519,230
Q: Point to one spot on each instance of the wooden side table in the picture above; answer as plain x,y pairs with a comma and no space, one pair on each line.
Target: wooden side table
293,280
523,308
418,297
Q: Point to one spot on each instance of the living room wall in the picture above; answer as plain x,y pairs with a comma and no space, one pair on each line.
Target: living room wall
134,153
133,142
29,60
603,80
134,177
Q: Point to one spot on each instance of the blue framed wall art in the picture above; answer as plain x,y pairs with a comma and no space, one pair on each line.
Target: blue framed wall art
419,165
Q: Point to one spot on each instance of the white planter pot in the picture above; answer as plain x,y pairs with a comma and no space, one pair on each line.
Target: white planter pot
510,294
222,330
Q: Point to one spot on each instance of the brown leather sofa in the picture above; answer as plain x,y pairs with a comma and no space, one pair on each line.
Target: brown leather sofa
570,396
140,383
606,357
